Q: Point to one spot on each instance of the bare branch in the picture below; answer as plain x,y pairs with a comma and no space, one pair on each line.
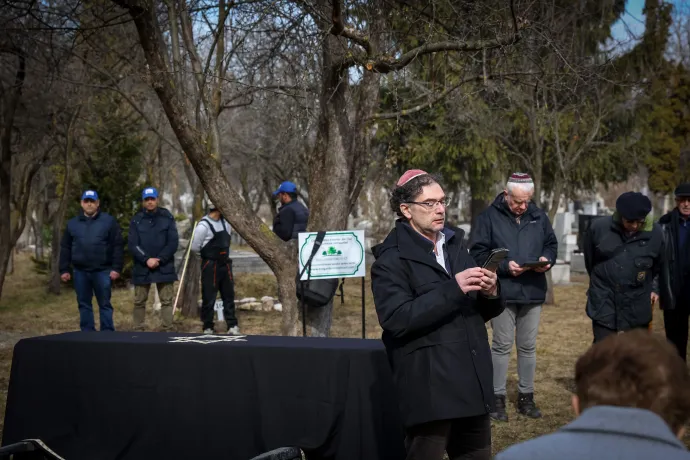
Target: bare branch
387,64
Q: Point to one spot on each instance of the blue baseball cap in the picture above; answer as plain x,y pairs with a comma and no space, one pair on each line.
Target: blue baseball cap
286,187
149,192
89,195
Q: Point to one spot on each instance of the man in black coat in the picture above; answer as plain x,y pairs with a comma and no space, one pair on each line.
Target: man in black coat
514,222
623,253
92,244
674,279
153,240
432,302
292,215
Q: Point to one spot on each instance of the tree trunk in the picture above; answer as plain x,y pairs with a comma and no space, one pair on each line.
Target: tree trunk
33,225
478,193
40,223
557,192
8,113
191,287
58,225
59,219
177,207
160,179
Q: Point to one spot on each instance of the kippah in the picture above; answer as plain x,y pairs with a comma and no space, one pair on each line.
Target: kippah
409,175
520,178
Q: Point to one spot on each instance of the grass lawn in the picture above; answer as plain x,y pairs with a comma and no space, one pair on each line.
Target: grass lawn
26,310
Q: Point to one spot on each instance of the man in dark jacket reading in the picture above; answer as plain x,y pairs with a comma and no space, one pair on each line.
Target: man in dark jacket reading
674,279
432,302
514,222
92,244
153,241
623,253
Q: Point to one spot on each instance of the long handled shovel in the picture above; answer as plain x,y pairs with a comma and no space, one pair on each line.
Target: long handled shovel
184,269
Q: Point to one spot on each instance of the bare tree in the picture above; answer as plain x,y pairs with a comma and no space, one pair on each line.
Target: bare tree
339,158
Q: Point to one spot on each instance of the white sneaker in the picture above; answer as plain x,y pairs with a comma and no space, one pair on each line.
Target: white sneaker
235,330
208,331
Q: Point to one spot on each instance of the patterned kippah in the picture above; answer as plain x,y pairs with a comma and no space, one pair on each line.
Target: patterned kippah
520,178
409,175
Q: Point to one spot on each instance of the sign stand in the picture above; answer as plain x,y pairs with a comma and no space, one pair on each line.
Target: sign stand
341,256
364,335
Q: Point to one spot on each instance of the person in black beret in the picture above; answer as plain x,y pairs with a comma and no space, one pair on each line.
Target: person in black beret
623,255
674,279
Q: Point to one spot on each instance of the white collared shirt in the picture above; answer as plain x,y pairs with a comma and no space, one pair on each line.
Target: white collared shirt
440,256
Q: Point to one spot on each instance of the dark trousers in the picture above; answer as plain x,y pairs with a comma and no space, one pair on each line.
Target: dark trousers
601,332
676,325
86,285
217,276
462,438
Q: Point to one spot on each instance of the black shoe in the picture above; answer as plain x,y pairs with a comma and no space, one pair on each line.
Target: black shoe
500,415
527,407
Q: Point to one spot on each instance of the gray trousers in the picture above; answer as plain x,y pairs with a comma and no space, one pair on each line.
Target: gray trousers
524,319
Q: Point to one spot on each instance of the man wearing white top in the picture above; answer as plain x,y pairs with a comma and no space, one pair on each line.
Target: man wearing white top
212,243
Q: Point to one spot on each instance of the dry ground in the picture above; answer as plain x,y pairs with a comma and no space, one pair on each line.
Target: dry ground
27,310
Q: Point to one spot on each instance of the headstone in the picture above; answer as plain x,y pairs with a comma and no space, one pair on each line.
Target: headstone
567,242
577,263
560,273
590,208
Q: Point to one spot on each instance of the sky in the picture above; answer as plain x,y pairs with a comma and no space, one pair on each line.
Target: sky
631,26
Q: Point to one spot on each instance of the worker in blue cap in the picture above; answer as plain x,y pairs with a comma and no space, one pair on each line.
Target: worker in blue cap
292,215
153,241
92,244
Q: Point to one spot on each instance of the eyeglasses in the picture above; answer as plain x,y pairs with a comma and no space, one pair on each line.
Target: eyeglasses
431,204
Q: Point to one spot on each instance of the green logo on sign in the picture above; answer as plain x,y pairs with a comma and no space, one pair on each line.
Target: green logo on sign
332,252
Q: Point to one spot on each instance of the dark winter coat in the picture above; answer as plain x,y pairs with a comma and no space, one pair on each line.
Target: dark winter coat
527,241
674,277
291,219
92,244
621,272
153,235
435,335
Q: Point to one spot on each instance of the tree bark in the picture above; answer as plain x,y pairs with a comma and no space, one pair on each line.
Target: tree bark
557,192
189,297
41,211
7,240
54,286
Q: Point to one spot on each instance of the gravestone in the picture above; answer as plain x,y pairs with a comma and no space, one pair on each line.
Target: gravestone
567,241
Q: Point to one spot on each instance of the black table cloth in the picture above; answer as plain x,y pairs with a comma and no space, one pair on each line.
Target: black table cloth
122,395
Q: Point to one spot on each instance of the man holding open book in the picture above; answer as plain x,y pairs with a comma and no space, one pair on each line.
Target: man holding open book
515,223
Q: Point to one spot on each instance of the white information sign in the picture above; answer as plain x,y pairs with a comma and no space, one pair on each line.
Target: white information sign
341,255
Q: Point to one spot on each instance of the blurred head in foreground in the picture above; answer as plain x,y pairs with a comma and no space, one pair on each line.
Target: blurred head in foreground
635,369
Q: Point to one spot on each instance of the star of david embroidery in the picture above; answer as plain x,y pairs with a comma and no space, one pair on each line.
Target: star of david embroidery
204,339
